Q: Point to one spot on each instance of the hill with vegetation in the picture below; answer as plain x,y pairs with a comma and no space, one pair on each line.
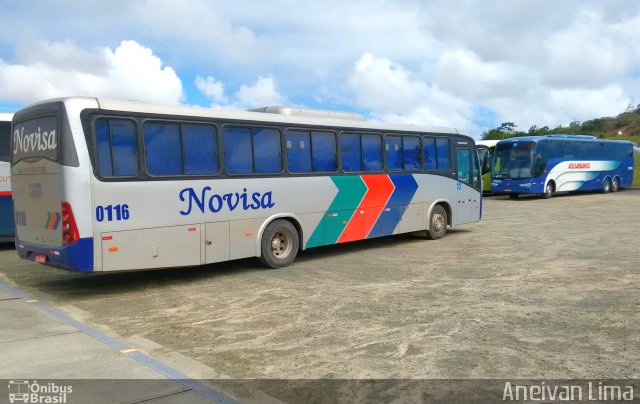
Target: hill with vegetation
624,126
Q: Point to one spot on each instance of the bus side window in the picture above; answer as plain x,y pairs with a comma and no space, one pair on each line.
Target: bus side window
371,152
411,153
393,152
475,171
462,163
200,145
442,145
237,149
266,151
117,147
351,153
298,147
429,149
163,148
324,152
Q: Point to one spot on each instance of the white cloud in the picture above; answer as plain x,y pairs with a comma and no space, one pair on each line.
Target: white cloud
263,92
131,71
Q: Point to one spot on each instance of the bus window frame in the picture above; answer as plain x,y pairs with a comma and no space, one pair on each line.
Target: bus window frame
223,166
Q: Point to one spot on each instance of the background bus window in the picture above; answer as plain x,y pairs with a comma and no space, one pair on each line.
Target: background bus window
393,152
411,153
237,150
298,151
163,149
351,155
429,148
200,149
372,153
324,151
5,140
463,165
442,146
266,151
117,147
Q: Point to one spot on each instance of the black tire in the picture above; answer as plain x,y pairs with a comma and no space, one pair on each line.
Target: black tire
279,244
606,186
437,223
548,191
513,196
615,185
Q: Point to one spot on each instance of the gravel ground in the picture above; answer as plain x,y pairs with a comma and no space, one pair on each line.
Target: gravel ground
538,289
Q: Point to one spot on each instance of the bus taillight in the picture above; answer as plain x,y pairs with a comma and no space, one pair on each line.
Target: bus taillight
70,232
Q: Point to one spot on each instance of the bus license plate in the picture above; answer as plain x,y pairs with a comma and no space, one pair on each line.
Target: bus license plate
41,258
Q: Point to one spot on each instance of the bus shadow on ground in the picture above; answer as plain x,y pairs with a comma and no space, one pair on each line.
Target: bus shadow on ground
533,197
64,284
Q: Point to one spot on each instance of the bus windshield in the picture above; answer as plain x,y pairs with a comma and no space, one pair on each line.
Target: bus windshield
512,160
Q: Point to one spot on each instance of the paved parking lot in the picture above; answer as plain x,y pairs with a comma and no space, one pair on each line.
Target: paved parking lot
539,288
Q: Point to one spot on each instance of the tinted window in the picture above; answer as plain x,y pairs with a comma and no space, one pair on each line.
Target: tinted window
117,147
411,152
429,148
372,152
393,152
350,149
475,171
298,152
266,150
238,154
5,140
200,149
442,146
163,149
324,152
463,165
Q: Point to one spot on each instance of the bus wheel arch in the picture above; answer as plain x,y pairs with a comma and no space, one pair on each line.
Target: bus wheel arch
549,189
292,219
437,229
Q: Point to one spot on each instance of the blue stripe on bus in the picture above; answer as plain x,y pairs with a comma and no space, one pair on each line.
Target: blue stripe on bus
77,257
406,187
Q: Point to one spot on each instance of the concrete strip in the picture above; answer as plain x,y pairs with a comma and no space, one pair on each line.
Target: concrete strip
19,321
5,295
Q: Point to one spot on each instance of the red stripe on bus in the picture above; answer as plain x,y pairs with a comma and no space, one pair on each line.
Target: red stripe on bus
5,193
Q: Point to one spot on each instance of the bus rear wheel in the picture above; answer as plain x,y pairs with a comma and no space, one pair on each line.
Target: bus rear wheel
615,185
280,244
548,191
606,186
437,223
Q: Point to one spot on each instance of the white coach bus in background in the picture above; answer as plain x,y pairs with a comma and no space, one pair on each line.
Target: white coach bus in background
6,204
104,185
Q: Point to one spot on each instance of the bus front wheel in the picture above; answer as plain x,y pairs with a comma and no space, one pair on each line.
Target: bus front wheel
548,191
606,186
280,244
437,223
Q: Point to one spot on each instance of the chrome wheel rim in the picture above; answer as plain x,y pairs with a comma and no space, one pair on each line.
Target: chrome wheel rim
281,243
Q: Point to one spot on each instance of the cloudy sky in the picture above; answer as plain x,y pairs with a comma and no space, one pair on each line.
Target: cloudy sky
471,64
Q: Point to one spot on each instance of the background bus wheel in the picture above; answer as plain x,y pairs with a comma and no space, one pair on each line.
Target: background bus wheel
548,191
615,185
279,244
606,186
437,223
513,196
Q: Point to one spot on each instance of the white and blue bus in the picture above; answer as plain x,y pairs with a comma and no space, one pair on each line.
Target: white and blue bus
6,204
105,185
548,164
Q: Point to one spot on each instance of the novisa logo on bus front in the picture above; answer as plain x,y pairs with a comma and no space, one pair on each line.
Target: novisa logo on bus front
32,392
208,200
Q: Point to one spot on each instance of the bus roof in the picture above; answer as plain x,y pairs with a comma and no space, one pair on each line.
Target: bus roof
565,137
270,117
